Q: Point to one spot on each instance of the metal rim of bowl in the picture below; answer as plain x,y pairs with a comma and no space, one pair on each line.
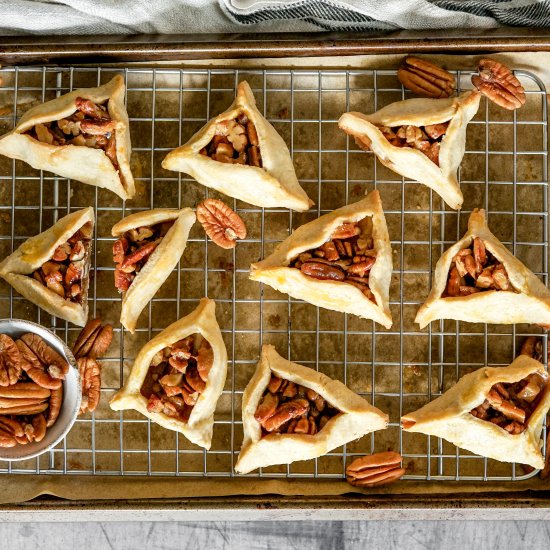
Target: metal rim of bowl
61,347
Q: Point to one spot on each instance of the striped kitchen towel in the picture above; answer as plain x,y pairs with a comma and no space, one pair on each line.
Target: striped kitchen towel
363,15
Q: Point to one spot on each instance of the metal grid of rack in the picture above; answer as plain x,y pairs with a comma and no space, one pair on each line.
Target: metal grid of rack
504,170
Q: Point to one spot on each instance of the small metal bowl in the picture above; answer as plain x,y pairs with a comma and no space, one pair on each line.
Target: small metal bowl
72,392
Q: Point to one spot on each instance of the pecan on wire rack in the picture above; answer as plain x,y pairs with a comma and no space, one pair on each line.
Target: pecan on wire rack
92,343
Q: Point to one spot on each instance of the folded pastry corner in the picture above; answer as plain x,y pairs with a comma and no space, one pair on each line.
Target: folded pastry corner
52,268
178,376
496,412
341,261
83,135
421,139
291,412
148,247
480,281
240,154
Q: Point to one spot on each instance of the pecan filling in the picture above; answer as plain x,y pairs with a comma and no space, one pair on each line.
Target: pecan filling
289,408
66,273
132,250
347,257
177,376
475,269
236,142
90,126
426,139
511,405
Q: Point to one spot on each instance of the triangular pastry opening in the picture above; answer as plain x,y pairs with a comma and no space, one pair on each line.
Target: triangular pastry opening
510,405
240,154
235,142
347,256
292,412
148,247
426,139
479,280
496,412
52,268
132,250
90,125
287,408
83,135
421,139
177,376
66,273
341,261
475,269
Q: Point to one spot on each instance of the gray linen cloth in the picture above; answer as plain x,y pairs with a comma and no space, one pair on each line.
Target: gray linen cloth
78,17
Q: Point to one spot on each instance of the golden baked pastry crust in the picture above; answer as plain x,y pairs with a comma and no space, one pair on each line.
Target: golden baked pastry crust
273,185
161,262
357,416
449,416
334,295
80,163
410,162
530,304
200,426
34,253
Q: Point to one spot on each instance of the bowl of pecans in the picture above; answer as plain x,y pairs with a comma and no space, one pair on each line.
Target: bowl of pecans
40,390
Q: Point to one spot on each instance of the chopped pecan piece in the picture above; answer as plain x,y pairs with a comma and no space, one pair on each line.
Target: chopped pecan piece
221,224
90,126
235,141
178,376
66,272
132,250
476,270
348,257
287,407
510,405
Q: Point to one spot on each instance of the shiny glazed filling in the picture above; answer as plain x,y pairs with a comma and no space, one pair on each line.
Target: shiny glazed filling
177,376
132,250
90,126
235,142
474,270
66,273
289,408
511,405
347,257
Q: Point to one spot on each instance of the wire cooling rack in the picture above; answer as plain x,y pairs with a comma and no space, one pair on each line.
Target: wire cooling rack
504,170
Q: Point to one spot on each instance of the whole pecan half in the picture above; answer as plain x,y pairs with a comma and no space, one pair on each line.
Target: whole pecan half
94,340
56,365
221,224
34,368
376,469
10,361
322,271
425,78
497,82
56,399
90,373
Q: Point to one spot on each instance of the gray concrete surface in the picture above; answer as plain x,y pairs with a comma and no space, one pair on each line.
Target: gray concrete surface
382,535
